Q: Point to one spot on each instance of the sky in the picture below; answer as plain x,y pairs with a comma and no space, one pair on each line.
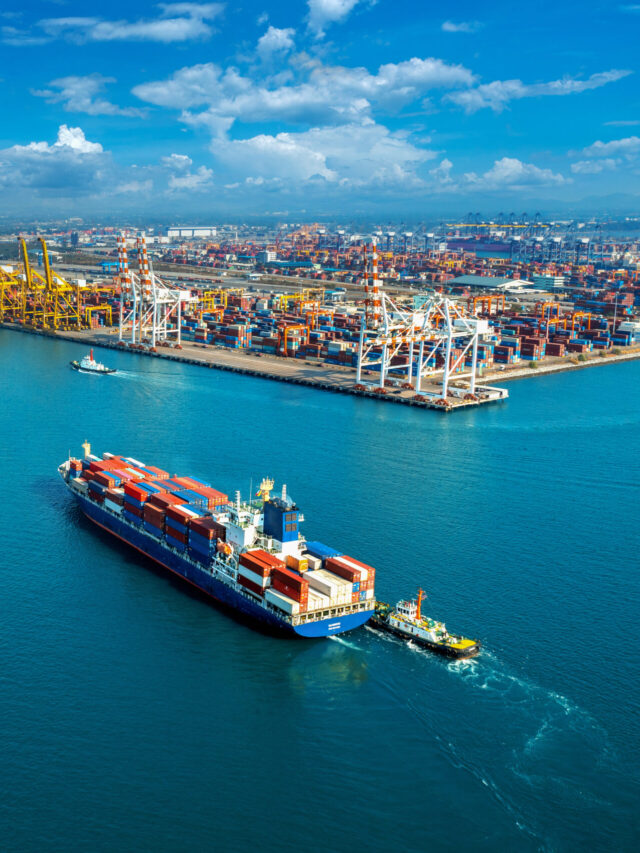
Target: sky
318,107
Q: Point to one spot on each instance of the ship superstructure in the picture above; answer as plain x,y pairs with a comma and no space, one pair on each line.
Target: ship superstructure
249,555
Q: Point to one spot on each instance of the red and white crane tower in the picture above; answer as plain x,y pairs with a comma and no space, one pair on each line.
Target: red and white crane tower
150,310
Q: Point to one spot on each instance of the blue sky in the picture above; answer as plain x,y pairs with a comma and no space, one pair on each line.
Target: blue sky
346,106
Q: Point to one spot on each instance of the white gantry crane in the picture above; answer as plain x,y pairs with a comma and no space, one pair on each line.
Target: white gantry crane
407,344
150,310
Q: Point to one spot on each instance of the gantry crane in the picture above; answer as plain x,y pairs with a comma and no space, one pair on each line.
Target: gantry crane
408,343
43,301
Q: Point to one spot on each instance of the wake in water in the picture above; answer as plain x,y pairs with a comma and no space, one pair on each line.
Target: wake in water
347,644
521,741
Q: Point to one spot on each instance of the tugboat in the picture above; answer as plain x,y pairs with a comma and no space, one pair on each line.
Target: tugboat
406,620
88,365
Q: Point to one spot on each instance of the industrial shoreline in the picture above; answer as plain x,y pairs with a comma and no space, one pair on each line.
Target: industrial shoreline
322,376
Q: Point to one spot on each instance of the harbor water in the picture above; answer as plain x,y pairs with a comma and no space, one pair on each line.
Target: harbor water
137,716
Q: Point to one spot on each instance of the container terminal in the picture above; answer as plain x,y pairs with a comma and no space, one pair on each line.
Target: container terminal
248,555
439,346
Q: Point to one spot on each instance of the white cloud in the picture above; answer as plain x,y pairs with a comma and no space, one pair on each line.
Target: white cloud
461,27
81,94
497,95
197,181
324,12
628,123
134,187
594,167
629,148
329,94
442,173
182,179
15,37
178,162
178,22
71,166
511,173
351,155
275,42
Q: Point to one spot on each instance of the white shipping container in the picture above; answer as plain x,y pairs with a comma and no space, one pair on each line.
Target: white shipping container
133,461
318,582
108,455
252,576
80,484
368,594
282,602
314,562
190,512
318,602
110,505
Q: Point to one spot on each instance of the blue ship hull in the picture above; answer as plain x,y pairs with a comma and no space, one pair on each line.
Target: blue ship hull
171,560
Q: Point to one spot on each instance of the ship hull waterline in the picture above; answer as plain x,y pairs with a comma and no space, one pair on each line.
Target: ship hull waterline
106,372
213,588
436,648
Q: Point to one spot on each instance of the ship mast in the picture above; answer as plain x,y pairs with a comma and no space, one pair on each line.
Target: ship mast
421,595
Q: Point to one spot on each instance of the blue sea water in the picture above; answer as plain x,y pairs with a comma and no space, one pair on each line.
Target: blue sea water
136,716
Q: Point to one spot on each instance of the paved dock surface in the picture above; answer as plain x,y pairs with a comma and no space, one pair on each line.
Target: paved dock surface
320,375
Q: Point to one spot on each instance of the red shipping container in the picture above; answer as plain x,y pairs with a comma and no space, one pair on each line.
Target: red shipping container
175,534
250,585
270,559
291,578
355,597
104,479
153,516
300,595
177,513
371,572
209,528
114,497
135,492
165,500
134,510
255,565
343,570
158,473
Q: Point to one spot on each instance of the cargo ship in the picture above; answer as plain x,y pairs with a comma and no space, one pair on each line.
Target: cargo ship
247,555
406,620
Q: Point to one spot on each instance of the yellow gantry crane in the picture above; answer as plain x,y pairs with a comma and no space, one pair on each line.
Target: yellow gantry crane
43,301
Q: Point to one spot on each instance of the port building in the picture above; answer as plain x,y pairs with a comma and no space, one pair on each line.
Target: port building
490,282
184,232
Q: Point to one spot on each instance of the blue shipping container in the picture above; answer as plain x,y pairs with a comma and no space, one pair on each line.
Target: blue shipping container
317,549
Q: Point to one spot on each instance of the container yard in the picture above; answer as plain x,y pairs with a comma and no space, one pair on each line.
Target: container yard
421,325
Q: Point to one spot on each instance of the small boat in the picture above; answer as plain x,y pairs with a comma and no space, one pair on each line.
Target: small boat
89,365
406,620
